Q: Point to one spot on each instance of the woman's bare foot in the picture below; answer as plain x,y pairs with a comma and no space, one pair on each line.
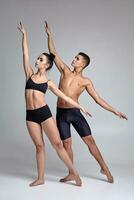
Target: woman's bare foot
71,177
36,182
108,174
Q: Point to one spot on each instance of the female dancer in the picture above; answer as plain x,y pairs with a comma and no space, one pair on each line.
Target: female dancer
38,114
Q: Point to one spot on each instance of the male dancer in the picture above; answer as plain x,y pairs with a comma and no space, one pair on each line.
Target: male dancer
73,83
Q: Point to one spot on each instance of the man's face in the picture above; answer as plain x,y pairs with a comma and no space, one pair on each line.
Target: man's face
78,61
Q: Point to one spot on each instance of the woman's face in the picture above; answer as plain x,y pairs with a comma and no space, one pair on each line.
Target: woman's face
42,62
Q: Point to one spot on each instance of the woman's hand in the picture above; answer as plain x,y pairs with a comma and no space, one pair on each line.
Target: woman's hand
47,28
21,28
85,112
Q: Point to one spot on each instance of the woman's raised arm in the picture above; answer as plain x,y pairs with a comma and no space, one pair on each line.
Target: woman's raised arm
26,63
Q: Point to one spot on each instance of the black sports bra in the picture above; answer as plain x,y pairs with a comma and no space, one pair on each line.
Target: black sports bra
42,87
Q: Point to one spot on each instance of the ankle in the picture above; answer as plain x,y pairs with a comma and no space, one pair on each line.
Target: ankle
40,179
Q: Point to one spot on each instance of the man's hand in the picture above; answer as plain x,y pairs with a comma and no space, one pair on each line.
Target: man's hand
47,28
21,28
121,115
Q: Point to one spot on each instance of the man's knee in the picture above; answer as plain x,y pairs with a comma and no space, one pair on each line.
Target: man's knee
67,143
89,140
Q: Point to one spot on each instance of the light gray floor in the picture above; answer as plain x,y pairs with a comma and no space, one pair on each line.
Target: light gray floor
14,184
18,169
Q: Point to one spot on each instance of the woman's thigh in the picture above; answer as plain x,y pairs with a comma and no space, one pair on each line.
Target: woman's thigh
50,128
35,132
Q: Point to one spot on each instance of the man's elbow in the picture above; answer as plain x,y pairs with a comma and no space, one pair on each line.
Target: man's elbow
98,100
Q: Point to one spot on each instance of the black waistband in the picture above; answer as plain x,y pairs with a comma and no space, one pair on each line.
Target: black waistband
45,106
66,109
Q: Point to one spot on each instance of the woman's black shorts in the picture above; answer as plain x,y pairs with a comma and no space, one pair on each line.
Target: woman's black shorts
38,115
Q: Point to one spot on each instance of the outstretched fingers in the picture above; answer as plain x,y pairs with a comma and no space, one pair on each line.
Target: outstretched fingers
46,24
47,28
21,27
88,114
123,116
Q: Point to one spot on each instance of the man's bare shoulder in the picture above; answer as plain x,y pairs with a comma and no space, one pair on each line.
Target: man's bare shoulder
67,69
87,81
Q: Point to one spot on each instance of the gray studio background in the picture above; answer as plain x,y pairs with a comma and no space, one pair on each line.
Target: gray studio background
104,30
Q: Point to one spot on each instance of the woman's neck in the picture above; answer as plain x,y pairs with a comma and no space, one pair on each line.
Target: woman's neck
41,73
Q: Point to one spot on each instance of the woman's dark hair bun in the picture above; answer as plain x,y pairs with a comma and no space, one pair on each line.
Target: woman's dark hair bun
52,56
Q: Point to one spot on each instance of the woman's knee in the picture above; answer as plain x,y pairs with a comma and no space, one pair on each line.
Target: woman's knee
39,148
58,144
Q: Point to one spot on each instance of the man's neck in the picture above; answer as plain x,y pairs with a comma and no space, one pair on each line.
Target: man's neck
77,72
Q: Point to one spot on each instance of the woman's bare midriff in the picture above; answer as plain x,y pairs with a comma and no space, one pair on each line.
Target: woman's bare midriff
34,99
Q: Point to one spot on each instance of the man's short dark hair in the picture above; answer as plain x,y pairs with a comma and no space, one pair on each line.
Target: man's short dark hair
86,58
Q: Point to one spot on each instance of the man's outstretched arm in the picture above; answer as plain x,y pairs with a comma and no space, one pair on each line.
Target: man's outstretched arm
59,63
92,92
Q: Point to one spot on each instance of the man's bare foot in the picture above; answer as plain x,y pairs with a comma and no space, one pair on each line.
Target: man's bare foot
69,177
36,182
108,174
72,177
